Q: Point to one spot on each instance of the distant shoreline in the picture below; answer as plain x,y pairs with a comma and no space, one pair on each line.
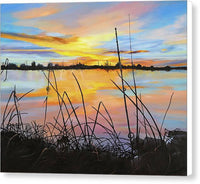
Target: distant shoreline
86,67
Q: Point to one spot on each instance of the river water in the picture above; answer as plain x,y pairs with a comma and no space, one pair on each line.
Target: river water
155,88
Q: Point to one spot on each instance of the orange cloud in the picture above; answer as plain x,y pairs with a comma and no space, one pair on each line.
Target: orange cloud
46,10
178,42
163,50
126,52
39,39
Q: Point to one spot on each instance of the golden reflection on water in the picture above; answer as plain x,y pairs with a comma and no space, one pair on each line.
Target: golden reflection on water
155,87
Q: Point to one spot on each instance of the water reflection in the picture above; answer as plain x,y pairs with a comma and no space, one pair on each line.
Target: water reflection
154,87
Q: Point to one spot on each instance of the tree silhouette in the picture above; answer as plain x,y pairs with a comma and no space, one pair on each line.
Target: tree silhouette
50,65
33,64
117,65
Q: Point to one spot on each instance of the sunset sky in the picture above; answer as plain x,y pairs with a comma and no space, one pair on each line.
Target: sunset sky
84,32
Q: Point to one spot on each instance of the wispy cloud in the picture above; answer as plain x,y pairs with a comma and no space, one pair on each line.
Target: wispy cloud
95,21
38,38
44,11
172,34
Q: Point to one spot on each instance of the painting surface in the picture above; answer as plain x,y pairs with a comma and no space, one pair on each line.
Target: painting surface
94,87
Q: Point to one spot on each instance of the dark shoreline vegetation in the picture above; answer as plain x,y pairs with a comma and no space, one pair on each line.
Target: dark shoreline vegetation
70,145
50,66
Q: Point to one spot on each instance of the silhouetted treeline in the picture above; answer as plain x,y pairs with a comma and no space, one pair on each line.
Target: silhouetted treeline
51,66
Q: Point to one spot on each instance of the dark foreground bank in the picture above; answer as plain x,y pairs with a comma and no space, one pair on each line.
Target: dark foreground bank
23,154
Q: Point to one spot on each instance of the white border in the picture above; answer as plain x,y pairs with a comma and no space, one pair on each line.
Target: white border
189,88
